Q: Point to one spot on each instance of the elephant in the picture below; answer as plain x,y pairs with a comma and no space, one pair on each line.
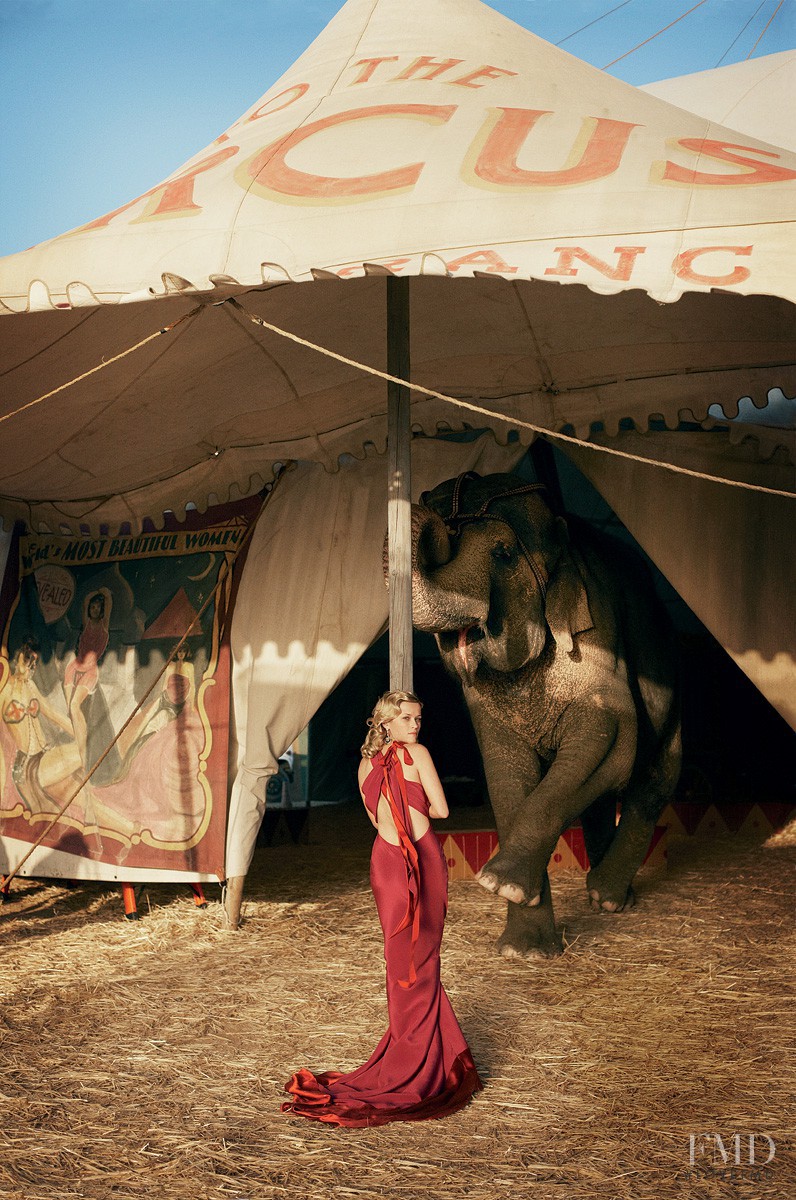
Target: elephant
569,669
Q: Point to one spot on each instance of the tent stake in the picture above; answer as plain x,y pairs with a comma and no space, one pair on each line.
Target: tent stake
399,467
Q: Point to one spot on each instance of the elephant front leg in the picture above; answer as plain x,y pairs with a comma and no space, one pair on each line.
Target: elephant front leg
512,771
581,772
531,932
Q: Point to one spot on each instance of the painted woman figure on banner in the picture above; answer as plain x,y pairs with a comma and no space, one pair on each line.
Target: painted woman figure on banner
40,767
81,676
45,773
160,778
422,1068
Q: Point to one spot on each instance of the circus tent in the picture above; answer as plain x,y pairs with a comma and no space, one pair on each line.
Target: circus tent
584,257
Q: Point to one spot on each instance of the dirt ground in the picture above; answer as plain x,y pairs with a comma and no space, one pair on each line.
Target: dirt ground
147,1059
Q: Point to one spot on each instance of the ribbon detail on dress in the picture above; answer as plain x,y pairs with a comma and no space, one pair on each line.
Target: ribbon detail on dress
393,788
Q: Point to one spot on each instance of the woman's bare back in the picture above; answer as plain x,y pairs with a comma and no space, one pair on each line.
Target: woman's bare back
384,823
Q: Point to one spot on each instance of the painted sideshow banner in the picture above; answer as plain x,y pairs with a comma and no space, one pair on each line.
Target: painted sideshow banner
90,627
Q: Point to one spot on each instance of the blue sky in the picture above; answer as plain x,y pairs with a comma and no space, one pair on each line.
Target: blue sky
103,98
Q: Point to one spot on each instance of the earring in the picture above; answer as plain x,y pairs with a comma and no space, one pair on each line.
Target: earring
387,734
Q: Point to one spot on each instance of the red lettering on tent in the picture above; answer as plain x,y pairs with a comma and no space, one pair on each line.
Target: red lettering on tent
622,270
270,171
486,72
369,65
171,199
758,172
497,162
293,94
683,266
431,67
488,260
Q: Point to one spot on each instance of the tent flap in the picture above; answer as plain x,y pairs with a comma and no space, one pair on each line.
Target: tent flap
727,551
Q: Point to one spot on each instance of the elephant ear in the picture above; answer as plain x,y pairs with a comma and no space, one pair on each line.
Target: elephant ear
567,602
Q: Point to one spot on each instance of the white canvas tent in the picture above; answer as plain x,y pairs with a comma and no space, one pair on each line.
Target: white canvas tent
755,96
580,252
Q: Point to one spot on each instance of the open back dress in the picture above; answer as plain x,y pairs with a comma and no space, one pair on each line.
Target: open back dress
422,1068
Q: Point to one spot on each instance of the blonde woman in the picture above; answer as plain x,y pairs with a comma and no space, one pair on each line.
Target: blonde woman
422,1067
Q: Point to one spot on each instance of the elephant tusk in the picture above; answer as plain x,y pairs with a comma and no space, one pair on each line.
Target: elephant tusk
465,640
462,648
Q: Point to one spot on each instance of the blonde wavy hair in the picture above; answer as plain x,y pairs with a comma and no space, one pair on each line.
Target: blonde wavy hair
387,707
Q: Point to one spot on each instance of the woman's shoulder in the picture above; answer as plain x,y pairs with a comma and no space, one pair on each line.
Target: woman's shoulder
365,767
420,754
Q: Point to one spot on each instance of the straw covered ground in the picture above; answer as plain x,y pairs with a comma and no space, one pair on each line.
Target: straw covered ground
147,1059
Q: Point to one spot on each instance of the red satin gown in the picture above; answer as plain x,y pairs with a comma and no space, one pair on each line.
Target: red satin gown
422,1068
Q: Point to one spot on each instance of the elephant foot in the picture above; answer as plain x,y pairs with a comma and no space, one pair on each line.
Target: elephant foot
529,944
530,932
509,877
604,898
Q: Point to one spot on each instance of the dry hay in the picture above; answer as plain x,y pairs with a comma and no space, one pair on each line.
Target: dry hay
148,1059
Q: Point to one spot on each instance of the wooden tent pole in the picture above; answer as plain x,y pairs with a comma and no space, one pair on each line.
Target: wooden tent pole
399,482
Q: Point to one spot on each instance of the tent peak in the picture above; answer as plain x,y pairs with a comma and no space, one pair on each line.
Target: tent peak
450,137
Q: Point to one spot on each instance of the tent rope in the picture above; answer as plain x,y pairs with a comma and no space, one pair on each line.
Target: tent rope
100,366
516,421
654,35
223,575
759,40
416,387
740,35
596,21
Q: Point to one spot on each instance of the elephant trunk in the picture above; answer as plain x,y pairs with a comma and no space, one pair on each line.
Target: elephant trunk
441,598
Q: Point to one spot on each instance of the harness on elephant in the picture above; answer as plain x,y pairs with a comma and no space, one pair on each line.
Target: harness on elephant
457,518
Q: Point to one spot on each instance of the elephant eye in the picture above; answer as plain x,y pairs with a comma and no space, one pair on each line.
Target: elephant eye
502,553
